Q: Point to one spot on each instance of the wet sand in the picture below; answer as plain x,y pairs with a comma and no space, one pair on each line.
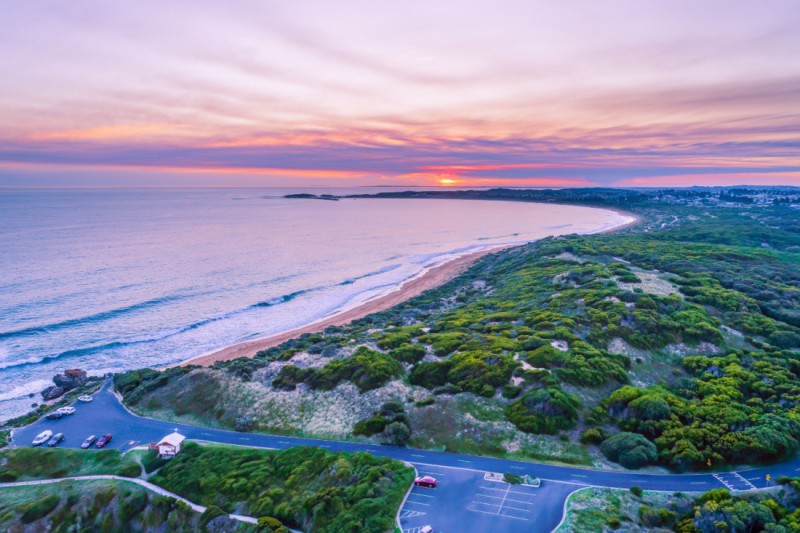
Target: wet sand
434,277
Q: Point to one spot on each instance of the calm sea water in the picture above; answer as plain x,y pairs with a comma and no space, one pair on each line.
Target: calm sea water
108,280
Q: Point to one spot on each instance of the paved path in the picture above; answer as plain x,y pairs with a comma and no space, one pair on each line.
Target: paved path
107,415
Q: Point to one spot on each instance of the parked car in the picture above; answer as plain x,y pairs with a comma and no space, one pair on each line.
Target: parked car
426,529
89,441
55,439
55,415
105,439
42,437
68,410
425,481
85,398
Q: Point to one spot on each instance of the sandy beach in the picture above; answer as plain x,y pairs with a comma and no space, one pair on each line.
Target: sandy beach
429,279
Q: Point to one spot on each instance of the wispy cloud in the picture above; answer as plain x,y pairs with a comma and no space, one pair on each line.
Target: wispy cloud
621,93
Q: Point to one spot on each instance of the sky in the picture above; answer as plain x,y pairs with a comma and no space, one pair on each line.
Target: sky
467,93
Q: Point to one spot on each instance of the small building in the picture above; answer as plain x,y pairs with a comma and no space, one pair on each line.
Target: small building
170,446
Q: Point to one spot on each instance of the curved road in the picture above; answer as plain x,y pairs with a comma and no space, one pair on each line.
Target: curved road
107,415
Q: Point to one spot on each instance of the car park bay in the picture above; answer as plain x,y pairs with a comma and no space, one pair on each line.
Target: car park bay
464,501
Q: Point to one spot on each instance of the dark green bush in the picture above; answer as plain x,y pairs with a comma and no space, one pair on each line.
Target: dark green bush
544,411
631,450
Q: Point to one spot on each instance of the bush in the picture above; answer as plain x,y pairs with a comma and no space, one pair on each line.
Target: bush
409,353
397,434
271,525
631,450
39,508
544,411
637,491
593,436
370,426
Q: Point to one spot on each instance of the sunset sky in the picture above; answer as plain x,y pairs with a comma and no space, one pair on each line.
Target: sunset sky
620,93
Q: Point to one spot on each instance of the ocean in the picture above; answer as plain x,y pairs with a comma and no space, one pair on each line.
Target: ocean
114,279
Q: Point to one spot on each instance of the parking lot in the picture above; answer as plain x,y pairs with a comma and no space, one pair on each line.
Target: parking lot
504,500
465,502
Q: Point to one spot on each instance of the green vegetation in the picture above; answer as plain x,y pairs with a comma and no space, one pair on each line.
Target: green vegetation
391,422
301,487
683,331
22,464
99,506
544,411
366,368
717,510
631,450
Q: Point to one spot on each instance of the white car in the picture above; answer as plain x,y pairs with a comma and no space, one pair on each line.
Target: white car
85,398
68,410
42,437
426,529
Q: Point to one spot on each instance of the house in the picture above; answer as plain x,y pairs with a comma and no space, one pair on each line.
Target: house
170,446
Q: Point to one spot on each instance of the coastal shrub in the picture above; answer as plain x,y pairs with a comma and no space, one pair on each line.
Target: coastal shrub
305,488
390,412
544,411
370,426
444,344
290,376
39,508
593,436
271,525
397,434
631,450
26,463
409,353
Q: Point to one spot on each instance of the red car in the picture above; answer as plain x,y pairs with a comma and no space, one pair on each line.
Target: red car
102,441
425,481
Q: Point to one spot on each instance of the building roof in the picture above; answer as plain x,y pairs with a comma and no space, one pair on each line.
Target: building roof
173,439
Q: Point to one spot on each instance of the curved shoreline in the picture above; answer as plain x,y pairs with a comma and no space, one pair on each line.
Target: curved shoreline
427,279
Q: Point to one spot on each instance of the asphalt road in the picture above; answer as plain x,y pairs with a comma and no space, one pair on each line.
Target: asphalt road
453,506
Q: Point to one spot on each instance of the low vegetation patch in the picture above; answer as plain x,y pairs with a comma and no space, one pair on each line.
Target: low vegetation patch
306,488
22,464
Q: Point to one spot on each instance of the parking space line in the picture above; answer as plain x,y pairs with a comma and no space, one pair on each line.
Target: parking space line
499,514
418,503
490,504
504,500
421,495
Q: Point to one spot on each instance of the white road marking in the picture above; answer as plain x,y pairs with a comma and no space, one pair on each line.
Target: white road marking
418,503
499,514
504,501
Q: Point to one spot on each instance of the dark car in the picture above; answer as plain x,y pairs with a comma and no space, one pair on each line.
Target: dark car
58,437
105,439
89,441
55,415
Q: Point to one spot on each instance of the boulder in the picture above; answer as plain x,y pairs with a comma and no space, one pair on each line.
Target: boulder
71,379
53,392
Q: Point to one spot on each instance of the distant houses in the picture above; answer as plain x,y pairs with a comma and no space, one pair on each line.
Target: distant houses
170,446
